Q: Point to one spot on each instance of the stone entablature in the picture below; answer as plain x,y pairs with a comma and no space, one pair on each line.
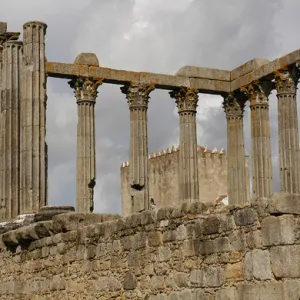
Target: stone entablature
203,79
196,251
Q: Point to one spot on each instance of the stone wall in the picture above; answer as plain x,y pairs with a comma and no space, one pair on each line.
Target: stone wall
197,251
163,178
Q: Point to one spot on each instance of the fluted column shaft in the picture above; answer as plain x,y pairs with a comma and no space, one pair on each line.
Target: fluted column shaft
236,172
10,119
33,148
137,96
186,100
262,171
3,212
86,94
288,132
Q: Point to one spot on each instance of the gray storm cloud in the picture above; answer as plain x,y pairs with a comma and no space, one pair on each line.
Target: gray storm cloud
155,36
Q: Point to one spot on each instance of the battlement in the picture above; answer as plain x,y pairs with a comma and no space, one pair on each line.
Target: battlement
164,175
204,151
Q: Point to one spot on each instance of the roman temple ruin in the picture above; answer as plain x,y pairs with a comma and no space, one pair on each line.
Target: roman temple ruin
23,156
173,241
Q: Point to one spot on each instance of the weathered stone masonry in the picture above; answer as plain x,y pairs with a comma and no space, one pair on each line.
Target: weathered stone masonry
197,251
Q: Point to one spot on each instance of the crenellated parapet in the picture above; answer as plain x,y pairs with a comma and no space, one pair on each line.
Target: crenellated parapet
163,176
203,152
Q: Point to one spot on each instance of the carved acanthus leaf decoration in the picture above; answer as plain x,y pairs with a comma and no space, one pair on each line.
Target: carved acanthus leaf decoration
286,79
234,106
258,92
186,99
85,89
137,95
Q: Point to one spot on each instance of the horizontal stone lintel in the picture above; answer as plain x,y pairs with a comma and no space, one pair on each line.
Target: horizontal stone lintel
210,81
161,81
266,70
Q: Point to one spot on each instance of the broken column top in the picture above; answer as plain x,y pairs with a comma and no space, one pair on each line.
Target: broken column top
89,59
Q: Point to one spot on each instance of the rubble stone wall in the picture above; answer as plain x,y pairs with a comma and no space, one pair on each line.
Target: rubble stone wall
198,251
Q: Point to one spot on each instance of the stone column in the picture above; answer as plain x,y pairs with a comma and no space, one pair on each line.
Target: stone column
33,159
138,98
3,212
236,173
86,94
288,134
262,171
10,118
186,100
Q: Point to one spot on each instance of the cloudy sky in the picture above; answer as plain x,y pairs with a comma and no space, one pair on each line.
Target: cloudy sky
148,35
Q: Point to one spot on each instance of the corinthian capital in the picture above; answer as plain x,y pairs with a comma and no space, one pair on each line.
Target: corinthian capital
286,79
85,89
186,99
258,92
234,106
137,95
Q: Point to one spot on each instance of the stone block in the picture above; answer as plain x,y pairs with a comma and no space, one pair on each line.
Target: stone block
73,221
291,289
197,208
140,240
57,283
284,203
106,284
258,265
193,71
148,217
155,239
265,291
211,225
214,276
133,259
278,230
163,254
226,222
235,272
158,297
157,283
245,216
169,236
197,277
237,241
164,80
189,248
90,252
130,281
285,261
182,295
227,294
248,67
254,239
217,245
116,245
165,213
181,232
128,242
210,85
181,279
